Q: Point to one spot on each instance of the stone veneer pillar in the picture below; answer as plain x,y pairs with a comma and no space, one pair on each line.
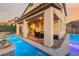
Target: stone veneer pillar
48,27
63,23
17,29
25,28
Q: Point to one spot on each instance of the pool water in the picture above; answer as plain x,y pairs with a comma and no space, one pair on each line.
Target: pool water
74,45
23,48
74,38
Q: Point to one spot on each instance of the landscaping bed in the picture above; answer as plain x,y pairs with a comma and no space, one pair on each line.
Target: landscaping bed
4,43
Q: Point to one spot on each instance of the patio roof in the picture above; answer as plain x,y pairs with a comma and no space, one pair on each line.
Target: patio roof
40,8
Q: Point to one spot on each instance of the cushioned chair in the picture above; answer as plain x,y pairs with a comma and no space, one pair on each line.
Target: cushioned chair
42,35
56,37
38,35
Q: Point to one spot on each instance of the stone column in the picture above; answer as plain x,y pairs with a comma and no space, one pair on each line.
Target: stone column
63,18
48,27
25,28
63,24
17,29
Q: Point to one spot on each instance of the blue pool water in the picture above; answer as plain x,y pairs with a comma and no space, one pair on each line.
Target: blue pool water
74,38
23,48
74,45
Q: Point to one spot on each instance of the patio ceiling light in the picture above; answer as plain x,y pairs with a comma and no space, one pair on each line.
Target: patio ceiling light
40,18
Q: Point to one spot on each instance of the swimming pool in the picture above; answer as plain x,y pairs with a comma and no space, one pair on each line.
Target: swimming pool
23,48
74,45
74,38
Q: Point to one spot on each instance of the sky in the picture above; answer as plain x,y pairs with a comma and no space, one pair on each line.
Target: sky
72,11
9,11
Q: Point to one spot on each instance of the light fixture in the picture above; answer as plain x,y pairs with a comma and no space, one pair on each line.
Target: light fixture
40,17
33,26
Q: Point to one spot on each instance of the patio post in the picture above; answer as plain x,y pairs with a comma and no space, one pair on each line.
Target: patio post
25,28
48,27
62,17
17,29
63,23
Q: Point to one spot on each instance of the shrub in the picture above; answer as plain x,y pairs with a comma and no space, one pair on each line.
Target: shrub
7,28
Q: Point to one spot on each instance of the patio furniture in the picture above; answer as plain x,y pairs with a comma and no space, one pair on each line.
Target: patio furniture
42,35
5,43
37,34
56,37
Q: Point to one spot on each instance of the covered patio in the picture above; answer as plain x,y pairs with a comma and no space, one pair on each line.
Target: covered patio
43,24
